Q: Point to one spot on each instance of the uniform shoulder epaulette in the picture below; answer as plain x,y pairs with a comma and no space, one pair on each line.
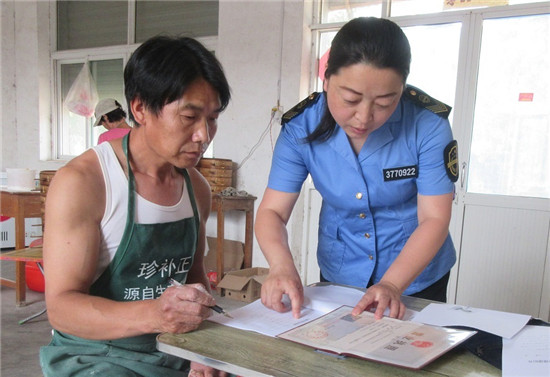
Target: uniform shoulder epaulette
421,99
300,107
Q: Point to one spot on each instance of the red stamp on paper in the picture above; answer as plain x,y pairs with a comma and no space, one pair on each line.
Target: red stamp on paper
422,344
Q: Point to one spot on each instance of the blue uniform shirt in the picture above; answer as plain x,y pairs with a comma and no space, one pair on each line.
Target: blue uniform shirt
365,220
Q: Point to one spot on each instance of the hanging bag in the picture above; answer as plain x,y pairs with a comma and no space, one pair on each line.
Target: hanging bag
82,96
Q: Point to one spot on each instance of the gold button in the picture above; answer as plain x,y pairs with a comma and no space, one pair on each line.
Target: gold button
371,257
359,195
362,215
367,235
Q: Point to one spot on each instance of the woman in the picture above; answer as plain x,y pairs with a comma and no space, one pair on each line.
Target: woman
382,156
109,114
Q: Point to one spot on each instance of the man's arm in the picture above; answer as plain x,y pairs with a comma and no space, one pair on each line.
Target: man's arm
74,208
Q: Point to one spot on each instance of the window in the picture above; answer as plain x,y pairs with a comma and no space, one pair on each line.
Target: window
87,24
191,18
512,96
344,10
105,33
76,133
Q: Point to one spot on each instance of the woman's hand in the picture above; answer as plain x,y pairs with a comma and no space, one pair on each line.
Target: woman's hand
381,296
283,281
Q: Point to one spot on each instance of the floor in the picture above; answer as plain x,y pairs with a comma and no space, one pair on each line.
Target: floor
20,344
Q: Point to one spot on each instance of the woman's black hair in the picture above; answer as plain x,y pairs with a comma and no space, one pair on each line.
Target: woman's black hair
162,68
117,114
374,41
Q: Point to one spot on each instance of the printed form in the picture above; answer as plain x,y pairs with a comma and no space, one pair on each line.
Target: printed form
318,301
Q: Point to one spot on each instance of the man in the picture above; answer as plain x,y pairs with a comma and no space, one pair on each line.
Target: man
109,114
126,216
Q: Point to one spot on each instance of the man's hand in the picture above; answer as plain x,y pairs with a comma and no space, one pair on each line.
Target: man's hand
182,309
279,282
199,370
381,296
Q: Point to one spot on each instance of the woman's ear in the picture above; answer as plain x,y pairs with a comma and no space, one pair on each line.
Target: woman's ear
325,84
137,107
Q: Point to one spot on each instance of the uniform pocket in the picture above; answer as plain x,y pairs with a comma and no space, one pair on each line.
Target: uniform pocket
409,226
330,250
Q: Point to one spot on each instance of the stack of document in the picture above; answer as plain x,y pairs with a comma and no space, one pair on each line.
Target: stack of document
525,349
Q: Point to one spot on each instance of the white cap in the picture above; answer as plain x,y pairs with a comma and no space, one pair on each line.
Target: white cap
103,107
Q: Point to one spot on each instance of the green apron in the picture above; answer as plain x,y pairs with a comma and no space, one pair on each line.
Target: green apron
148,255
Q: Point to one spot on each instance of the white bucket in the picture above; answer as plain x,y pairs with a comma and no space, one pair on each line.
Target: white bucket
21,179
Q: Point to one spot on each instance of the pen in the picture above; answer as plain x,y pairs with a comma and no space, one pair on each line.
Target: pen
216,308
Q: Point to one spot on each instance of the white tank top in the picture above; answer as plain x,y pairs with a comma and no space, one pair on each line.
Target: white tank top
116,206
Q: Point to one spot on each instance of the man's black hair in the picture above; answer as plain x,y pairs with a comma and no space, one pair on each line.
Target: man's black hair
162,68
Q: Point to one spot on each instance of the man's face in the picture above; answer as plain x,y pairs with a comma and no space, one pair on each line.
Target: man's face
182,130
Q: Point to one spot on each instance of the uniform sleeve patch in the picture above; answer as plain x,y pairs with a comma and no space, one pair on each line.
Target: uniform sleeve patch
420,98
299,108
450,156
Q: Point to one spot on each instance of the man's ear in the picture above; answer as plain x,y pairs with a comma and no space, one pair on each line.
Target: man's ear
137,107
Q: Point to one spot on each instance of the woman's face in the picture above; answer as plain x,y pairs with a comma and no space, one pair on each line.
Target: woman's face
361,98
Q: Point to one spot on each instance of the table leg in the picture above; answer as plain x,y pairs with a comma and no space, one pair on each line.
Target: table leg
248,239
219,245
20,284
23,321
20,288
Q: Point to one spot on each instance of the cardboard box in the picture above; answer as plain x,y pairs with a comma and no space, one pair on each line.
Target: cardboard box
233,257
243,285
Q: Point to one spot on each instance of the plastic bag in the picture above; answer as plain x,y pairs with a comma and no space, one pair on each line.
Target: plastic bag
82,96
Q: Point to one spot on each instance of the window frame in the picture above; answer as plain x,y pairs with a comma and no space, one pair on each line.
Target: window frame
74,56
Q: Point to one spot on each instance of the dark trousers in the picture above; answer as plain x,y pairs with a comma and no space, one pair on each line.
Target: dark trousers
436,292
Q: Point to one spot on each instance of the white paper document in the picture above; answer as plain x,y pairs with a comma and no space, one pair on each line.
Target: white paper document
528,353
495,322
318,300
388,340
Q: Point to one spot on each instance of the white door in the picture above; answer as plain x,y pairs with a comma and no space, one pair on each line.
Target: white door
503,207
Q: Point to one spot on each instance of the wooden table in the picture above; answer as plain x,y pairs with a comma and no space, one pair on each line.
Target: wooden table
19,205
222,204
250,354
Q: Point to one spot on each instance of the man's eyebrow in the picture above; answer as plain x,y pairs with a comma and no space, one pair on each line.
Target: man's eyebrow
190,106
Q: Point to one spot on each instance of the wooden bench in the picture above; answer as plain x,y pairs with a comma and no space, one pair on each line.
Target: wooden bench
31,254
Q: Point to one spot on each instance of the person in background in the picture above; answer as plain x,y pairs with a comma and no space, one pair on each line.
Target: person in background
109,114
382,156
127,216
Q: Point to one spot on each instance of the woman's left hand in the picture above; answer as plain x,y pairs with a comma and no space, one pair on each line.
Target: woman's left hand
199,370
381,296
